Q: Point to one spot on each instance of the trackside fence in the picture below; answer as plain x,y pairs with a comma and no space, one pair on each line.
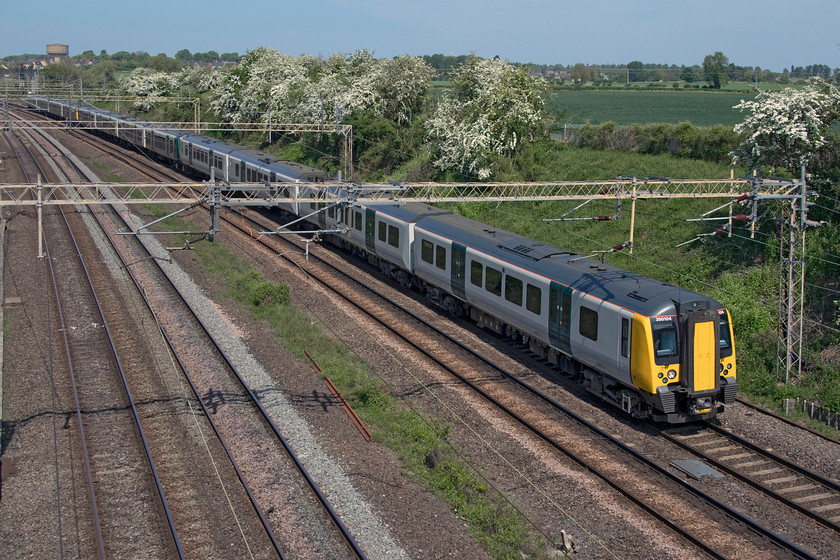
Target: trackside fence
813,410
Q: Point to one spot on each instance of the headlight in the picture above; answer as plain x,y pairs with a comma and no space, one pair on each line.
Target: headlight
672,374
728,366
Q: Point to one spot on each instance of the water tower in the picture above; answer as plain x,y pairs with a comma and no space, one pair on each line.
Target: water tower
57,52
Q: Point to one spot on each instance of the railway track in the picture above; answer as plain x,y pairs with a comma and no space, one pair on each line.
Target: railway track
667,521
115,451
631,474
800,489
202,529
154,171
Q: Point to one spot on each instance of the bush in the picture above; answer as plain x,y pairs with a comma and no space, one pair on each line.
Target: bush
685,140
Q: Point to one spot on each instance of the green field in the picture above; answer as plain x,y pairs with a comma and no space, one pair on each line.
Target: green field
701,108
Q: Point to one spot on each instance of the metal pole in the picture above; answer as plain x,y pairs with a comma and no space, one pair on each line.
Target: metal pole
633,217
731,178
40,210
215,203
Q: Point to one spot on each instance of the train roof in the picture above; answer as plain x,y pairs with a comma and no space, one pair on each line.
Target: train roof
218,146
609,283
407,212
290,169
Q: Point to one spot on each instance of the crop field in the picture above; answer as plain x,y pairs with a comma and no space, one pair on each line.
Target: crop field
701,108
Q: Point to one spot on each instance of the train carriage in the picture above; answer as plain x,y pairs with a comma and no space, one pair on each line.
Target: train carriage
204,154
652,349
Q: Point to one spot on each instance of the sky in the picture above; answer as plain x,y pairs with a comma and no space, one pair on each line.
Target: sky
771,34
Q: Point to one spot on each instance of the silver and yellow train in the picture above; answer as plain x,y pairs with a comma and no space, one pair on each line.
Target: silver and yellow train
652,349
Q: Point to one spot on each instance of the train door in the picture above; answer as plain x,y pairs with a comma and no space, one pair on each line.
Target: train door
625,328
701,351
559,316
370,230
459,268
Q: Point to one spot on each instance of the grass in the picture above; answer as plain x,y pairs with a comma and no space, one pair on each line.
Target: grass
104,173
8,321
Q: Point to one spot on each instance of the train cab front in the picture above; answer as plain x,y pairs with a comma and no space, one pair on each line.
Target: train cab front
695,359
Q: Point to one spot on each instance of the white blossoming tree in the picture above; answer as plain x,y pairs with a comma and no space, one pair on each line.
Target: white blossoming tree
270,86
147,86
788,128
150,85
495,107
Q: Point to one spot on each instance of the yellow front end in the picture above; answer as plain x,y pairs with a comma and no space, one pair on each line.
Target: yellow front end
696,387
728,362
705,345
645,373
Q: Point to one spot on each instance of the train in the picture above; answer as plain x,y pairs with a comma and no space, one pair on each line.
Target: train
193,153
654,350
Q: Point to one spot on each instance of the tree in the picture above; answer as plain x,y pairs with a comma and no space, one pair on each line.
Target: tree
163,63
60,73
788,128
403,84
581,73
687,74
184,55
494,110
636,71
715,69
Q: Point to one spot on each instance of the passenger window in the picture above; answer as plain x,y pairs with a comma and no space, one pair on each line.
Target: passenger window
588,323
625,337
533,299
493,283
357,222
440,257
476,273
393,236
382,229
427,251
513,289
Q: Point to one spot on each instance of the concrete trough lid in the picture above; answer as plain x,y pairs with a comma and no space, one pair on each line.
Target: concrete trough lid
696,469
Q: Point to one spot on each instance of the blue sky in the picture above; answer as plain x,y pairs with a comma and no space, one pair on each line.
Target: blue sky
772,34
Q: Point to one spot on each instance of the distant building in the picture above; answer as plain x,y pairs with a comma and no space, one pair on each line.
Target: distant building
57,52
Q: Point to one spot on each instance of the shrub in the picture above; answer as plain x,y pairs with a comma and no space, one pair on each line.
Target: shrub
714,143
